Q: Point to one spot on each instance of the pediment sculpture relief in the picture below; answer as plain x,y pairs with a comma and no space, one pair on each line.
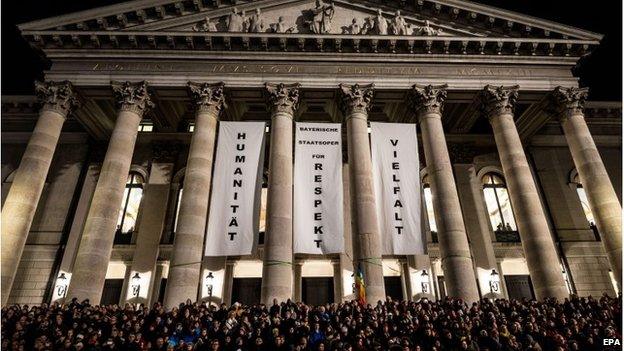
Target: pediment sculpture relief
322,15
317,20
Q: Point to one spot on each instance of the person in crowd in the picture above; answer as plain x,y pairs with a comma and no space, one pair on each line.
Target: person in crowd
450,324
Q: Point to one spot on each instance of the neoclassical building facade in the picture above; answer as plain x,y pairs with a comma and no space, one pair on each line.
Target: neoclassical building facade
107,171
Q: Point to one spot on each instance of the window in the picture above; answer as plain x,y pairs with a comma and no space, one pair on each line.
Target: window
129,208
576,181
429,208
262,216
146,127
177,209
191,127
499,208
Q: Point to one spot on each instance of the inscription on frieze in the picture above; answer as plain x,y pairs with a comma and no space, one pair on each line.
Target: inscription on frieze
338,69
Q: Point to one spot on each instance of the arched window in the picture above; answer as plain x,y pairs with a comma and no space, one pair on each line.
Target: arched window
429,208
129,210
499,208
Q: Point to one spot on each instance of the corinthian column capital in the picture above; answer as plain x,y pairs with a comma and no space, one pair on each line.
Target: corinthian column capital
282,97
132,96
566,102
207,97
356,98
499,100
57,96
427,99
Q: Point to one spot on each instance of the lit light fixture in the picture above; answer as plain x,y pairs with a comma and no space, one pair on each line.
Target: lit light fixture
494,282
61,286
136,285
209,284
424,282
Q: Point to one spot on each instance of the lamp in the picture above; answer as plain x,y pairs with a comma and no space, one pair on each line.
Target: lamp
494,282
424,282
136,285
209,284
61,286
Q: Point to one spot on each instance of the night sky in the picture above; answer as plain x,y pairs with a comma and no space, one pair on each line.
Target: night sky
601,71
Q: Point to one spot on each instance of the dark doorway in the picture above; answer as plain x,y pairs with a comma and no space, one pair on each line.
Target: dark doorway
519,286
246,290
441,287
317,290
111,293
394,288
161,290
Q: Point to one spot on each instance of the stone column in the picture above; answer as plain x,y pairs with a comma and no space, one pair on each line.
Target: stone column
156,282
338,281
155,200
229,282
298,281
277,269
355,102
603,201
58,99
477,225
454,249
186,257
537,242
406,286
99,231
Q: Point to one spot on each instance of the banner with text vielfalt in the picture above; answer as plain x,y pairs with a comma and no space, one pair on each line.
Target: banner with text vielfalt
396,176
232,220
317,224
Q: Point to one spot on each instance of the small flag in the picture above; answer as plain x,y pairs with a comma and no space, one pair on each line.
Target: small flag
360,287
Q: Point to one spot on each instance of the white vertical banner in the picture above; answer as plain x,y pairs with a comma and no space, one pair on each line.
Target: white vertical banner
232,220
318,220
396,175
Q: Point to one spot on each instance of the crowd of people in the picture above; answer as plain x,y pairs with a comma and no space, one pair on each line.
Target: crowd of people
449,324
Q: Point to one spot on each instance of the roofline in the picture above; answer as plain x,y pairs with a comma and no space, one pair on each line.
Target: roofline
101,11
520,17
461,4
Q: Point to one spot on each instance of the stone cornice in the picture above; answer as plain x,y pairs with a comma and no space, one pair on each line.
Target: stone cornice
427,99
57,96
302,42
282,98
132,97
207,97
496,101
356,98
566,102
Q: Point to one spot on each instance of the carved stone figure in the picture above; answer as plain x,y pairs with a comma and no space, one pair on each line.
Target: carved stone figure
256,24
427,30
322,16
380,24
205,26
236,22
354,28
398,25
245,22
368,27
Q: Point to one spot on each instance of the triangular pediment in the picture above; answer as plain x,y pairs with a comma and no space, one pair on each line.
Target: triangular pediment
308,17
420,17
